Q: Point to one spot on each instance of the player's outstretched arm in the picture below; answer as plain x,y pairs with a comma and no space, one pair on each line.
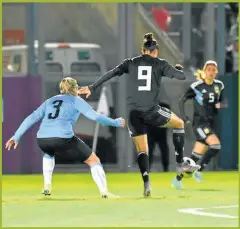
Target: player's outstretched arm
173,72
25,125
117,71
189,94
109,75
88,112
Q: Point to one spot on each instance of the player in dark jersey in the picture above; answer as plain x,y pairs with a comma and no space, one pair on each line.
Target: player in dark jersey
56,137
144,78
207,95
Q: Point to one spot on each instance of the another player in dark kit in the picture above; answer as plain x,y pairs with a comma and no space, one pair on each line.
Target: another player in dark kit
207,94
144,74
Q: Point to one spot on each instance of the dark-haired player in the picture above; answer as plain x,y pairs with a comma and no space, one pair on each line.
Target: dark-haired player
144,78
207,94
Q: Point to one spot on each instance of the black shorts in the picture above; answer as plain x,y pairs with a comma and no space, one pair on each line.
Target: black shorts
202,131
138,121
65,148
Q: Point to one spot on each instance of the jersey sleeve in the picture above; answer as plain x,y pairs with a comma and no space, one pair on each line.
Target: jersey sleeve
171,72
189,94
117,71
84,108
222,97
123,67
37,115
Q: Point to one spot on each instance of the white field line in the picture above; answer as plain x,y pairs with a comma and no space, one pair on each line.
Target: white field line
200,212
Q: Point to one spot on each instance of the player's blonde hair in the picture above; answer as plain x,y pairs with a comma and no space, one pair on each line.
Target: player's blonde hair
200,73
68,85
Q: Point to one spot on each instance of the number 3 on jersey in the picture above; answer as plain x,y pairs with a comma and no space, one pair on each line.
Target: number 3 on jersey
145,73
57,104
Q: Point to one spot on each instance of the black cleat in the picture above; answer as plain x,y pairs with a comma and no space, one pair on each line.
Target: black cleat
147,189
46,192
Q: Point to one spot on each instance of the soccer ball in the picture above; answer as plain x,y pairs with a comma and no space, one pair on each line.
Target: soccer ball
188,167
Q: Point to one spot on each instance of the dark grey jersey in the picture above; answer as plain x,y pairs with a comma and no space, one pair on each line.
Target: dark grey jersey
144,74
205,98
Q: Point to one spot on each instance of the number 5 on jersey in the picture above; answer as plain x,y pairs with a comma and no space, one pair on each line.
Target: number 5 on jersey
145,73
211,97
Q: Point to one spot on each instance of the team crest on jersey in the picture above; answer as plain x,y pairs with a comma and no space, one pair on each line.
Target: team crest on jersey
217,90
206,131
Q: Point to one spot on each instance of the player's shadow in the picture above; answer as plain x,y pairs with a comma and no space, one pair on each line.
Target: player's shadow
64,199
149,198
73,199
207,190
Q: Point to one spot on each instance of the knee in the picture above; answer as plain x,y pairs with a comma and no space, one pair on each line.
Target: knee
92,159
179,128
142,148
216,147
181,123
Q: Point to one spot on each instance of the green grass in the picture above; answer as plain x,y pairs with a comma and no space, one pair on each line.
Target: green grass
75,201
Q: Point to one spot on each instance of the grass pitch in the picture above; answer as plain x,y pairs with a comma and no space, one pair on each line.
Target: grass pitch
75,202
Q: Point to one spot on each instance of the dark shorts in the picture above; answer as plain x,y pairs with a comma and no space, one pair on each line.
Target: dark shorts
202,131
69,148
138,121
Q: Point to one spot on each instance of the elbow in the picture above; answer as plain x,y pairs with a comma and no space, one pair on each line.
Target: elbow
96,117
100,119
179,76
182,76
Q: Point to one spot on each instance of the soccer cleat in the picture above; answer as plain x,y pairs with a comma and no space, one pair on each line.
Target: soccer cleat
109,195
198,176
46,192
177,184
147,189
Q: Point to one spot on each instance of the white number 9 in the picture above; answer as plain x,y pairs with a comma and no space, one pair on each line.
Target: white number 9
147,77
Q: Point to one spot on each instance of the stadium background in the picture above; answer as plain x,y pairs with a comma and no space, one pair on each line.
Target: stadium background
195,33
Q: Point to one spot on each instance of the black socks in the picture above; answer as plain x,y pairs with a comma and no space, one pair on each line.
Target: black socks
212,152
179,141
143,163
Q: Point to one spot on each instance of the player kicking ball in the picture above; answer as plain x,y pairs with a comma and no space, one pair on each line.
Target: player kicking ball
208,98
144,74
56,137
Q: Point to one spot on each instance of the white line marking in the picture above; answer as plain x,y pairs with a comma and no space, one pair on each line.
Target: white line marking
199,211
228,206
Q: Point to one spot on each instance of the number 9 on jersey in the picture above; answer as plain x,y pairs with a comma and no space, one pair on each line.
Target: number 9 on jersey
145,73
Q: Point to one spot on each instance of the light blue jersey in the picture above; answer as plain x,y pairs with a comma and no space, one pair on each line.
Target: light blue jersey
59,114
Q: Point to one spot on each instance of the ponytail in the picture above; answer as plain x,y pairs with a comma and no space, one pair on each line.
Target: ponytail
200,75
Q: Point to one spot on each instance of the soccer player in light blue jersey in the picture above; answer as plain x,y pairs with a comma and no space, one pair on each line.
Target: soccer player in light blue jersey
56,137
